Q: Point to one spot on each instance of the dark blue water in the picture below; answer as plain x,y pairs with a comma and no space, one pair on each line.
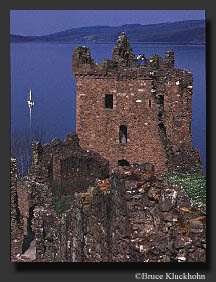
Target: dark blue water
46,68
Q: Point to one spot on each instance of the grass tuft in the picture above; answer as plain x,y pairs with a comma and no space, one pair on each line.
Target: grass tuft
194,186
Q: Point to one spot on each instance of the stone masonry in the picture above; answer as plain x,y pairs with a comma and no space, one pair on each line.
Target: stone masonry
133,124
66,165
17,234
59,167
131,110
134,216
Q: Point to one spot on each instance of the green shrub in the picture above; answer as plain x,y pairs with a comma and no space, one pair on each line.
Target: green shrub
194,186
64,203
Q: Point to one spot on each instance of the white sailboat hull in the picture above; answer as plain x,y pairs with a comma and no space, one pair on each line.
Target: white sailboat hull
30,103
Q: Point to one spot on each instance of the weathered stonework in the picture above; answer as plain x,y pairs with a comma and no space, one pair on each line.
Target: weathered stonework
133,216
17,234
61,165
67,165
150,98
126,213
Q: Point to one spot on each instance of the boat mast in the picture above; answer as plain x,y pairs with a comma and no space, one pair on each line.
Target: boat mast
30,96
30,105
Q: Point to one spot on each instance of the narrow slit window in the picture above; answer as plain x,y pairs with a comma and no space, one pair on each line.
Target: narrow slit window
123,134
108,101
150,103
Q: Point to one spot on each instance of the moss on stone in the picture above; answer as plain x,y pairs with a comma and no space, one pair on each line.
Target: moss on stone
64,203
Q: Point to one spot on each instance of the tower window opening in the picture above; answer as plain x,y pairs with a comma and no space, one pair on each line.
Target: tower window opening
108,101
150,103
123,163
123,134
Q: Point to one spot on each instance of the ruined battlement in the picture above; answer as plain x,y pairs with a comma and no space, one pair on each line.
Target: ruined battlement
134,109
124,63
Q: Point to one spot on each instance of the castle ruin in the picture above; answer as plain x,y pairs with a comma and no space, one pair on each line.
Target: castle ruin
134,115
135,111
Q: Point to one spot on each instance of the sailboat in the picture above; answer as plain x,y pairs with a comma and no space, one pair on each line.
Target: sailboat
30,101
30,105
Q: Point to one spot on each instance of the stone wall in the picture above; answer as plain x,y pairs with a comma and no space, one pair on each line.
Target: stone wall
65,164
133,216
17,234
60,167
26,195
150,97
98,127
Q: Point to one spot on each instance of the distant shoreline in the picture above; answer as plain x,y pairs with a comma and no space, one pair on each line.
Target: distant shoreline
190,32
112,42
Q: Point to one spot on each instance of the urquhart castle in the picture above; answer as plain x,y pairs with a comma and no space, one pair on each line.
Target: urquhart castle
130,112
133,124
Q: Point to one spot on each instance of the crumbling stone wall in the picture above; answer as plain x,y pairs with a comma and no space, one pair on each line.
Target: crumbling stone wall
26,194
150,97
132,216
66,164
15,216
61,164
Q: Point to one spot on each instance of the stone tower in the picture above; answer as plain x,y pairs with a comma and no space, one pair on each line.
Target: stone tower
135,110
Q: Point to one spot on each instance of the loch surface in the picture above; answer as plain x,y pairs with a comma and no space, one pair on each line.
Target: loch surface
46,68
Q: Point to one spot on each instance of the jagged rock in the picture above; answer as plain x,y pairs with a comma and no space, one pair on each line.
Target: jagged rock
168,200
196,226
154,194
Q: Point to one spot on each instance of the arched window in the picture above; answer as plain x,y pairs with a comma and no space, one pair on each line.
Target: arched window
123,163
123,134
